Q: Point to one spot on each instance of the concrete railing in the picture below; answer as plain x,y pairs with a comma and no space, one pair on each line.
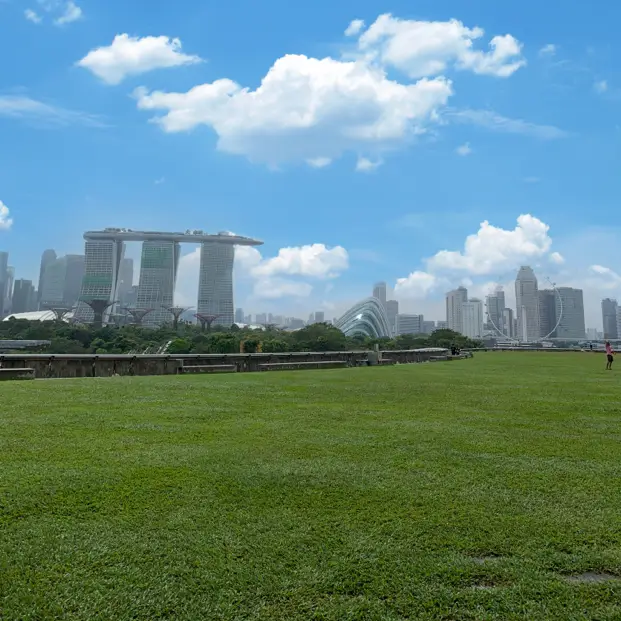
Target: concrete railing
108,365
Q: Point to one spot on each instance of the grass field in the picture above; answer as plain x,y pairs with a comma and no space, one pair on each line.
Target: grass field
482,489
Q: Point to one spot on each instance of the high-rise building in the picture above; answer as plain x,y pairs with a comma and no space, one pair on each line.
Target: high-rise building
410,324
593,334
379,292
320,317
392,310
509,322
495,311
570,313
239,315
547,312
62,282
609,317
8,290
472,318
215,286
248,319
429,327
441,325
4,281
158,277
23,296
48,257
527,302
101,275
454,301
126,280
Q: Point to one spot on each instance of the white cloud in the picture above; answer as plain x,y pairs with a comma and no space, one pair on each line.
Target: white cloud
601,86
464,149
423,48
25,108
354,28
496,122
32,16
316,261
71,13
304,109
366,165
557,258
612,279
548,50
319,162
5,221
493,249
417,285
129,56
275,288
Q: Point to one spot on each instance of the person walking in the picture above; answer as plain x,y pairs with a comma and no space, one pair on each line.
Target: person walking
610,356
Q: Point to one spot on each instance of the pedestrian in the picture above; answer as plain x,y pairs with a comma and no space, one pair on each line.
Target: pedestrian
610,356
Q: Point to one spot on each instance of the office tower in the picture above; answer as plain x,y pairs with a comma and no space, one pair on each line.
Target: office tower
429,327
277,320
527,302
23,296
239,315
547,313
131,298
295,323
48,257
248,319
8,290
454,301
4,276
62,282
508,322
101,275
410,324
158,276
609,317
126,280
495,311
215,287
441,325
571,320
379,292
392,310
319,317
593,333
74,275
472,318
260,319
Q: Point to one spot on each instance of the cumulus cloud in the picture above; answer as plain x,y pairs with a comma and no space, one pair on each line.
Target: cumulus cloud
557,257
305,109
464,149
354,28
548,50
417,285
364,164
315,261
319,162
424,48
129,56
5,221
71,13
32,16
493,249
275,288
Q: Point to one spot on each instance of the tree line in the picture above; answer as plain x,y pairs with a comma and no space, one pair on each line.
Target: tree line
188,338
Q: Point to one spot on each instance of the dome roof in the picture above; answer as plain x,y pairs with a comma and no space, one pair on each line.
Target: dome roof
43,315
367,318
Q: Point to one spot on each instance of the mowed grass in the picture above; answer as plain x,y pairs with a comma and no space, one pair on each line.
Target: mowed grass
465,490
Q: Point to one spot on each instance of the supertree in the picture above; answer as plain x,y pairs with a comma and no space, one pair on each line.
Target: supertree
206,321
60,312
138,314
176,312
99,308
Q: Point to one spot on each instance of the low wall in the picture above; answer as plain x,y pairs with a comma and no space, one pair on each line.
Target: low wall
107,365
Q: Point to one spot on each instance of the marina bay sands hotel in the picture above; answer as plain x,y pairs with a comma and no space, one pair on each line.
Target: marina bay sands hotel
105,250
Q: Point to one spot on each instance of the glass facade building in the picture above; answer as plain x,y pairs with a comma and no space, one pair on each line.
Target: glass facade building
366,318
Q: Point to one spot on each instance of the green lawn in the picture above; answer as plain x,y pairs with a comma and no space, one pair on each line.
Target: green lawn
465,490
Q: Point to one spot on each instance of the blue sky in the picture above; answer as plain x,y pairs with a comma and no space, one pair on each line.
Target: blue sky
359,158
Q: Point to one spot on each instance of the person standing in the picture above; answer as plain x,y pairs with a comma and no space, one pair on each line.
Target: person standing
610,356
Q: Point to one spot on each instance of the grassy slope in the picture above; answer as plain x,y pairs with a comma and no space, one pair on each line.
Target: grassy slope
446,491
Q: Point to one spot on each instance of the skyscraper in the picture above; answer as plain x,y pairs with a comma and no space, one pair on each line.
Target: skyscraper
158,277
571,321
23,296
527,302
126,280
48,257
410,324
454,301
320,317
4,277
379,292
472,318
392,310
609,317
495,311
101,275
239,315
509,323
215,286
8,289
547,313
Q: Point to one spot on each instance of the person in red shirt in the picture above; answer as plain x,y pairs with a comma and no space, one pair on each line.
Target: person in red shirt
610,356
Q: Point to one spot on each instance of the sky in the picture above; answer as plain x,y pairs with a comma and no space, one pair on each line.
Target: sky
426,144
